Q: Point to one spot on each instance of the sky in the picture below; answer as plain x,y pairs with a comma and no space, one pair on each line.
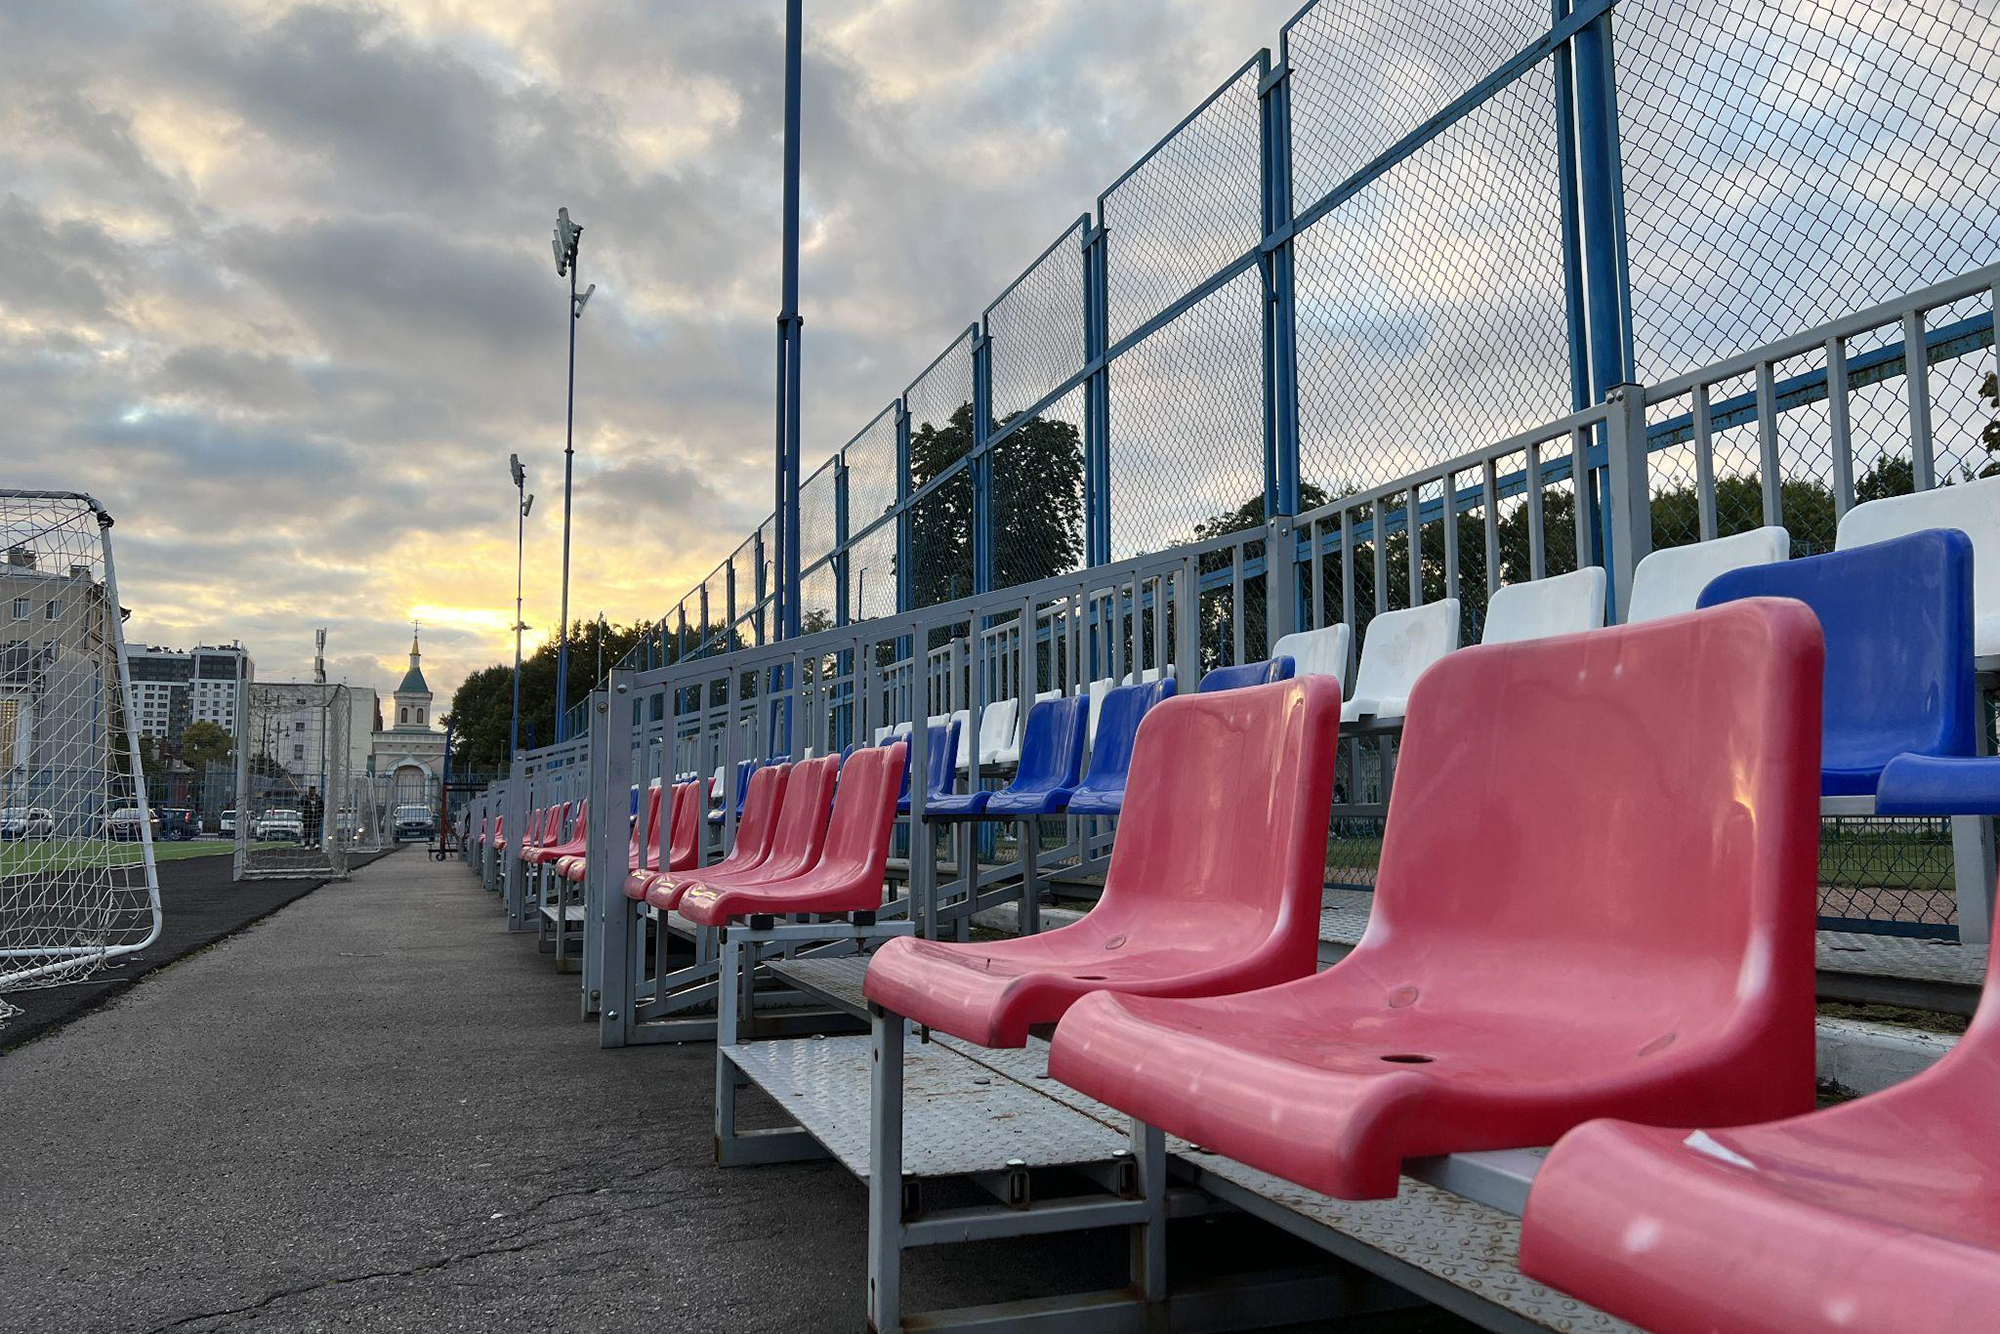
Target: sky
276,287
275,279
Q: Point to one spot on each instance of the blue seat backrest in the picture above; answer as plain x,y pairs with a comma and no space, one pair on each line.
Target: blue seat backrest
1052,746
1247,674
1897,617
1123,708
943,743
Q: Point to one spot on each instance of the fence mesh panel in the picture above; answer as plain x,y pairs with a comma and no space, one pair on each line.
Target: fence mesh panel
77,880
817,532
1038,495
871,574
1431,314
1187,424
294,740
1036,328
1184,213
871,471
1787,161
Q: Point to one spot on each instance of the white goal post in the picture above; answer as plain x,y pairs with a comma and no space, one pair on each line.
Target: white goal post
78,883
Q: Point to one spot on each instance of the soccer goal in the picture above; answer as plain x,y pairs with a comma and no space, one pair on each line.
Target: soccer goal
78,885
292,780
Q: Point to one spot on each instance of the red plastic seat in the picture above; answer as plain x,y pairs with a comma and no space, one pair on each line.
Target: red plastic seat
555,850
640,877
1214,883
1596,898
643,846
544,828
1879,1216
795,843
849,874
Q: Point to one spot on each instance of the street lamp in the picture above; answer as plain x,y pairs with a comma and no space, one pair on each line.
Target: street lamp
523,503
567,237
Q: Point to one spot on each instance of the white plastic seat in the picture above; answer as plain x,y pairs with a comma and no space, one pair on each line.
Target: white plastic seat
1146,677
1322,652
1971,507
998,726
1563,604
1399,647
1669,580
1009,754
1097,693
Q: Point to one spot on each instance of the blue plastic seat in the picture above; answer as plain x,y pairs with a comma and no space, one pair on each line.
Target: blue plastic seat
1051,767
941,764
1102,791
744,768
1246,674
1897,617
1939,785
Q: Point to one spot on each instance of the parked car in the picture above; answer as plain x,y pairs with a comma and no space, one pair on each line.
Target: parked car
278,825
226,823
415,822
126,824
27,822
177,826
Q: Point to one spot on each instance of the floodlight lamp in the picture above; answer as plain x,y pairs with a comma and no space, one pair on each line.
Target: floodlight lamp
562,260
514,466
583,298
527,504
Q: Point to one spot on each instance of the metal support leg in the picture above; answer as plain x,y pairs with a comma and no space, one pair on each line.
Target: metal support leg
1030,921
1149,1239
725,1038
620,951
1972,859
885,1173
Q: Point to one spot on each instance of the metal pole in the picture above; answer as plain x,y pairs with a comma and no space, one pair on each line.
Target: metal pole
569,461
520,547
790,336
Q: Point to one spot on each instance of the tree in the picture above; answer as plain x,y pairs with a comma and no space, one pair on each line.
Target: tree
1037,505
205,743
482,706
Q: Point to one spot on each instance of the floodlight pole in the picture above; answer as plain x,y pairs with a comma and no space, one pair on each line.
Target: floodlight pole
569,236
790,337
521,502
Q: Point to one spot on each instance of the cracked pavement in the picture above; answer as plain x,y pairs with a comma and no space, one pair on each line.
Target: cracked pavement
376,1110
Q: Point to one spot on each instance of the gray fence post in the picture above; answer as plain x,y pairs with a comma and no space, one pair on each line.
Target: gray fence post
605,948
1628,493
514,807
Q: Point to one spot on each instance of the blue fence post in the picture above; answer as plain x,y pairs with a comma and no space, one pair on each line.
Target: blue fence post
1607,304
842,611
905,533
729,614
763,585
707,619
1096,397
982,460
1281,353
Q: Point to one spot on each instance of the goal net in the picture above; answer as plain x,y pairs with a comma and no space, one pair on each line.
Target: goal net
292,780
78,886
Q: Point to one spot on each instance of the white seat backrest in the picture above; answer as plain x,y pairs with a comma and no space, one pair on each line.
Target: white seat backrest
1321,652
1563,604
1401,645
882,733
1098,689
1971,507
1147,676
996,732
1669,581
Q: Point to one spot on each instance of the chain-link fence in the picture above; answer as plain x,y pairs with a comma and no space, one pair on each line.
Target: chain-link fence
77,878
295,761
1424,226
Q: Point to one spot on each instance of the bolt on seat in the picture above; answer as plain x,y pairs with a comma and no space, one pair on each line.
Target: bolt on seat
1399,646
1241,674
1214,882
1523,969
797,836
1102,791
849,874
1897,618
1878,1216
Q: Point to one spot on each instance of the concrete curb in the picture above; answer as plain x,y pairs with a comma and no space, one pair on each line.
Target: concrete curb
1860,1057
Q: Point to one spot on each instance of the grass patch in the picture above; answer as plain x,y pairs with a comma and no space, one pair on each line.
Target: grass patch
50,855
1896,1016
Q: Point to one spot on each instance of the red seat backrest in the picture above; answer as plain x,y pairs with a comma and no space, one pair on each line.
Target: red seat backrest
759,819
864,813
642,828
1571,814
684,837
1223,837
800,832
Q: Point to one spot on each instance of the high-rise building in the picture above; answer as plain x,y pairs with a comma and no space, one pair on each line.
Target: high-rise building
174,687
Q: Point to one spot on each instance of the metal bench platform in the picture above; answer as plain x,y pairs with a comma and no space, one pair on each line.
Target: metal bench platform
963,1117
572,913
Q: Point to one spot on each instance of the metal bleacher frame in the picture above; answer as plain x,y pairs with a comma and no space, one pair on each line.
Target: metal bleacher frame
994,1118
